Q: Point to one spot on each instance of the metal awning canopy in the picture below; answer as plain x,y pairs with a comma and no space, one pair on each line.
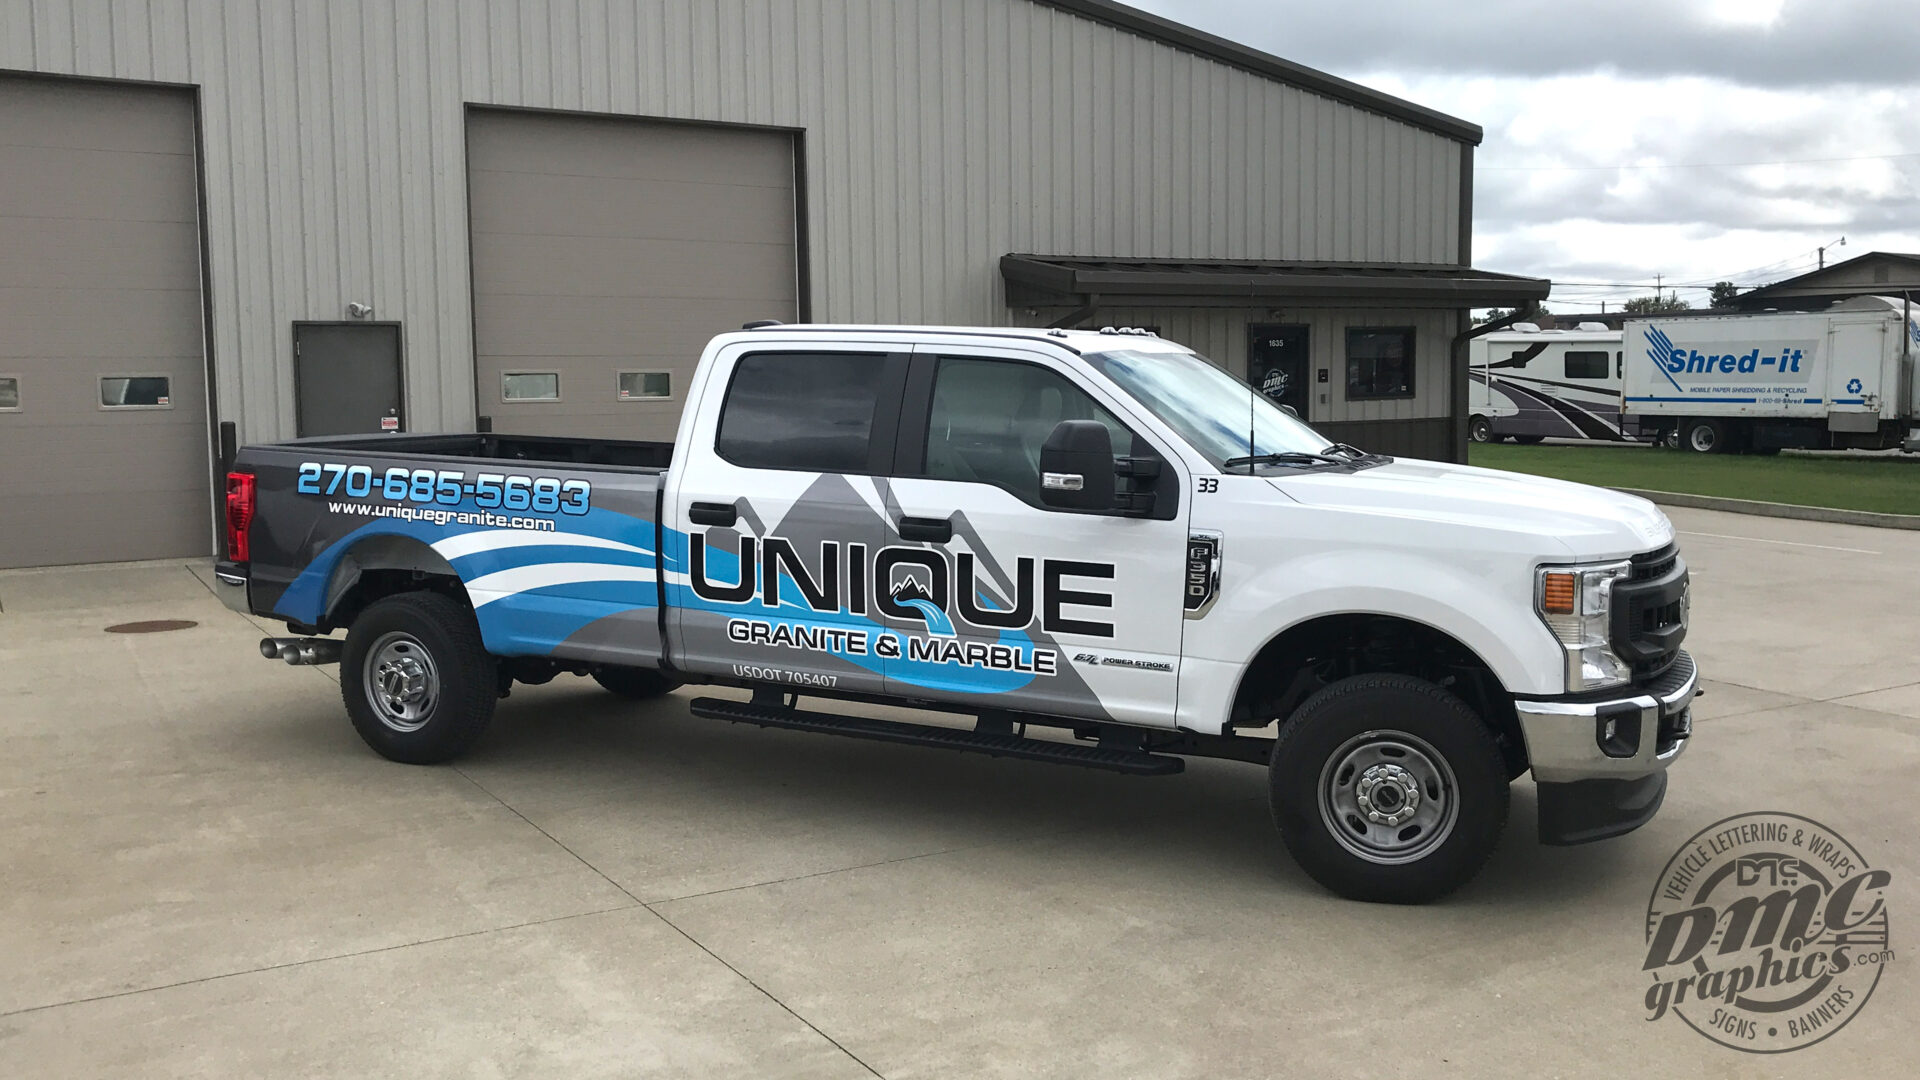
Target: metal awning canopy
1054,280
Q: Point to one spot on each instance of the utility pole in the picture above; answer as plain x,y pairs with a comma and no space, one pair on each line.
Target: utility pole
1842,242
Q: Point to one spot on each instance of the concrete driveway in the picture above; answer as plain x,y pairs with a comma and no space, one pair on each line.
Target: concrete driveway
207,874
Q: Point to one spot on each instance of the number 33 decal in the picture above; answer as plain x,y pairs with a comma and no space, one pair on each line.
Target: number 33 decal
1209,484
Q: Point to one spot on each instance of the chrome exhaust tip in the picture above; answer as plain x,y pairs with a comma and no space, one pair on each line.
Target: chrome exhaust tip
302,652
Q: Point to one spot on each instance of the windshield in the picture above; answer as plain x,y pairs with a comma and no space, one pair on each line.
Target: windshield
1211,409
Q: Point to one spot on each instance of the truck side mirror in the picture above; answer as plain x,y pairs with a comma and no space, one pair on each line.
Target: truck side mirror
1076,466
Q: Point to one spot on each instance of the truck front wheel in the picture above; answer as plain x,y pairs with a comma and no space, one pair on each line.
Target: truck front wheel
1387,788
417,682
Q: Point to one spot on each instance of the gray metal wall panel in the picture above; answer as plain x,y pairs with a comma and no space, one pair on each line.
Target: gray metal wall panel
1221,335
937,137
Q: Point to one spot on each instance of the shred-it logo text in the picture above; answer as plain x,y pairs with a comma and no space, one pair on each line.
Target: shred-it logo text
1766,932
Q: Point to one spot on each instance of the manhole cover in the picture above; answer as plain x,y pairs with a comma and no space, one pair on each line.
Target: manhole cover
151,626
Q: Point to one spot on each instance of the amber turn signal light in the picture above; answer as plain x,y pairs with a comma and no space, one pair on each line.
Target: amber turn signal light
1556,594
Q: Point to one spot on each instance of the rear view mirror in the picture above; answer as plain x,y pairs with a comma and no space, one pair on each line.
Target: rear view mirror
1076,466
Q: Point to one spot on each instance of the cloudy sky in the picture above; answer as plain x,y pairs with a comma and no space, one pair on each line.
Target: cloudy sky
1700,140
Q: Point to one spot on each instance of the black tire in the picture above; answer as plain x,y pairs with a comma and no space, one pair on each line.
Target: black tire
1354,733
640,684
417,681
1480,429
1704,437
1529,440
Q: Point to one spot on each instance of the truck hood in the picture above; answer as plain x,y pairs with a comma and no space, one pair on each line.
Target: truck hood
1593,523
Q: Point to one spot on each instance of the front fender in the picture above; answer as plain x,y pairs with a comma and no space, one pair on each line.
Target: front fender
1483,601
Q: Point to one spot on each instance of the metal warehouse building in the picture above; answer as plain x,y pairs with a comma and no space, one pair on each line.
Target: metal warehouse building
315,216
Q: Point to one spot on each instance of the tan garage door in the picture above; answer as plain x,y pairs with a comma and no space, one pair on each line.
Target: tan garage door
606,252
103,401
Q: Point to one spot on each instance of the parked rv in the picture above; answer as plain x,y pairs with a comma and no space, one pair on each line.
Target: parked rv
1826,380
1529,383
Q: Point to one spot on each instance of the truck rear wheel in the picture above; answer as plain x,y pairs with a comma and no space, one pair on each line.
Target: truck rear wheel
1387,788
1703,436
640,684
417,681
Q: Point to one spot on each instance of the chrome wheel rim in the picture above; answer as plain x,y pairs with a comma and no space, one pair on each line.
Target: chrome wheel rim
402,682
1388,797
1701,439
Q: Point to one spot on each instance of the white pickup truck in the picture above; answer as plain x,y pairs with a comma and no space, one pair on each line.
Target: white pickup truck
1096,534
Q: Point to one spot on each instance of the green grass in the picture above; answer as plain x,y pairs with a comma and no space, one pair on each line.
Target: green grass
1889,486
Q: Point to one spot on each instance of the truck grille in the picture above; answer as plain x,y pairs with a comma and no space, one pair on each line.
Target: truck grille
1655,564
1650,612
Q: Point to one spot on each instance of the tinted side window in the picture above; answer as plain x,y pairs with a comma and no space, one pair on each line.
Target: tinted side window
811,412
1586,365
991,417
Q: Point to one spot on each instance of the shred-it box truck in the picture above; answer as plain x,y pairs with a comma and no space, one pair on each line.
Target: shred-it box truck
1101,535
1827,380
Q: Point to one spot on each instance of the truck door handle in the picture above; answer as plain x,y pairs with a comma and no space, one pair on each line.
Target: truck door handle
931,530
705,513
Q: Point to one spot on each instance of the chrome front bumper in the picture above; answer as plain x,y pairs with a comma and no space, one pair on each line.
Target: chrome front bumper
1568,740
230,585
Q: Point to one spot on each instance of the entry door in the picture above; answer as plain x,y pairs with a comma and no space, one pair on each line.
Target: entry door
773,528
347,378
1277,363
1023,607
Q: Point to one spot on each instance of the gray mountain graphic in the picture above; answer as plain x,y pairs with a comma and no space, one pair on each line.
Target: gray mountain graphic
910,589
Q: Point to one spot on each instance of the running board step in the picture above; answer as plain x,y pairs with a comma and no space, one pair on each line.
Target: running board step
1136,762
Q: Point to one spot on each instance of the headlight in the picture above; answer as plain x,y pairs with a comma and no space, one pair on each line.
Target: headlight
1576,603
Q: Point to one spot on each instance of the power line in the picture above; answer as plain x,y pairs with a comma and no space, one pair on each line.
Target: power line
1690,165
1662,285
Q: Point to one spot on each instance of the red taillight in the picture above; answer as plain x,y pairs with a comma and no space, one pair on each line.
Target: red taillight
239,514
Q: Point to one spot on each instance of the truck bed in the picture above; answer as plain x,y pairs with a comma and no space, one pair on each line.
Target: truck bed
554,542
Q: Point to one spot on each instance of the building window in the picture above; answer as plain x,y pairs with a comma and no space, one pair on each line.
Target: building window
642,385
530,386
9,393
135,392
807,411
1379,362
1586,365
